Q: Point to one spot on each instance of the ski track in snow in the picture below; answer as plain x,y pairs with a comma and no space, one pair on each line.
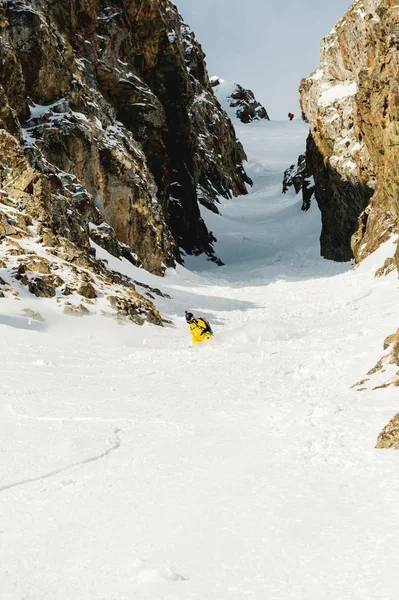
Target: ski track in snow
85,461
248,467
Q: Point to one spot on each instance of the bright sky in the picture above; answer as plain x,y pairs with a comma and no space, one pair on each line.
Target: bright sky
265,45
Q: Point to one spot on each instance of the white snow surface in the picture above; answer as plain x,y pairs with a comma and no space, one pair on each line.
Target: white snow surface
134,466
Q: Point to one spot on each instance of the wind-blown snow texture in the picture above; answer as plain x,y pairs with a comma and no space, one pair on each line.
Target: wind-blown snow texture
135,466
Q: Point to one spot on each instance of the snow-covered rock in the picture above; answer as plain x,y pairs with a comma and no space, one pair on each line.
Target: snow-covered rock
120,115
297,176
237,101
352,104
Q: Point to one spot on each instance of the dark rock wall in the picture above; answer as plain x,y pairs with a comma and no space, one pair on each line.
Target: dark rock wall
117,95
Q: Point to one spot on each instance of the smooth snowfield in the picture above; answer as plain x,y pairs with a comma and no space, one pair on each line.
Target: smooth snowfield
134,466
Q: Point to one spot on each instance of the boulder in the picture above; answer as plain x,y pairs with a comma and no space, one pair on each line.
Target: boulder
87,290
41,288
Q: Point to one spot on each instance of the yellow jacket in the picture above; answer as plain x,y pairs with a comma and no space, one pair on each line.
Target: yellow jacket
198,331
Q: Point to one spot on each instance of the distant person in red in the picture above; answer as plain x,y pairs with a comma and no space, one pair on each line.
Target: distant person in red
290,116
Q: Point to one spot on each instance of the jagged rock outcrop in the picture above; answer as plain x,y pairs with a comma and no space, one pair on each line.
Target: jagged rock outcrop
109,133
242,101
352,105
298,177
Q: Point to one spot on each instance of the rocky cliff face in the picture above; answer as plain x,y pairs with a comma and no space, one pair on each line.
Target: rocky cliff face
109,131
352,105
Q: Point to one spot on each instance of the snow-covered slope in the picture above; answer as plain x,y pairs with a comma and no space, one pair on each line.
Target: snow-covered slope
135,466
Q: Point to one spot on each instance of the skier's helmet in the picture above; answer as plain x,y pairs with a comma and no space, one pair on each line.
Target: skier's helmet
189,317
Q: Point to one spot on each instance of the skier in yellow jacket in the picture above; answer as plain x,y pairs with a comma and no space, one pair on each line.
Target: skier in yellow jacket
199,328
